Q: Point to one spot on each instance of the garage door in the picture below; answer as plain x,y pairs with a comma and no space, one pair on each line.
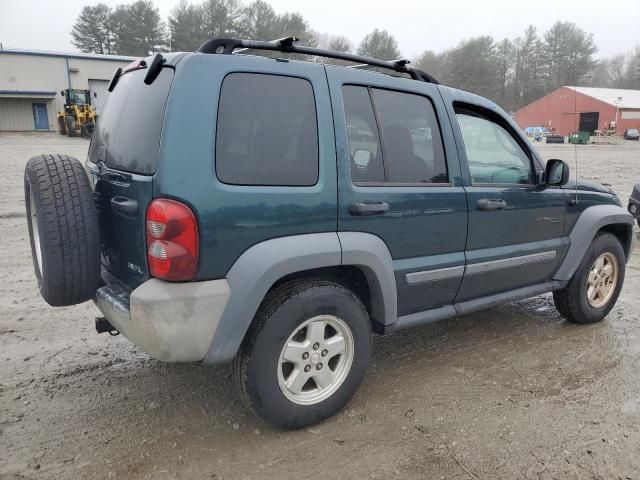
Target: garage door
99,93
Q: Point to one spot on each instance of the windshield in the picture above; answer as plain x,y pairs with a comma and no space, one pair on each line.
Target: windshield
79,97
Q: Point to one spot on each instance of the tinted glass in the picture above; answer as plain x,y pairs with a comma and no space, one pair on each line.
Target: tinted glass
131,123
364,145
494,156
267,131
411,142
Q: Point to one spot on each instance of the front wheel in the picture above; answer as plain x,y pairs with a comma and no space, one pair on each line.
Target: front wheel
71,126
595,286
306,355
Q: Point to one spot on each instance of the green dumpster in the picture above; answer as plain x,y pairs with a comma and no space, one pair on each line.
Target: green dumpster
580,138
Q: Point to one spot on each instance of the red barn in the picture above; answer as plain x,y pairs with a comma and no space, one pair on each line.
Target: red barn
583,108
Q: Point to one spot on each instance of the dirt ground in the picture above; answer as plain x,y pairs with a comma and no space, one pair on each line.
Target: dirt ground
512,392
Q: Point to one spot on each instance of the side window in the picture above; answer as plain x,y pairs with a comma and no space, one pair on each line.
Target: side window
411,142
494,156
267,131
364,145
411,149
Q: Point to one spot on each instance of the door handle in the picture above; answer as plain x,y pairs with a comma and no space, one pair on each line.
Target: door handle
368,208
491,204
124,205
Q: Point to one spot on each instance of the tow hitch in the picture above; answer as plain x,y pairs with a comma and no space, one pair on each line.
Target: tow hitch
103,325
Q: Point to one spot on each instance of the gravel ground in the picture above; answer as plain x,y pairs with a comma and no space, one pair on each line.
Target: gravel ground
512,392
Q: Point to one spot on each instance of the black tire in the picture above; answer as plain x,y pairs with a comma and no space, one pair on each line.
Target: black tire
62,126
255,368
71,126
87,129
60,203
572,302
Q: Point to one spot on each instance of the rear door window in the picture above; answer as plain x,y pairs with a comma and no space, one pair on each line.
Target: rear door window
394,137
131,123
267,131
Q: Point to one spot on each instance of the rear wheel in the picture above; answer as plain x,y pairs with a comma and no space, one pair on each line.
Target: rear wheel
63,229
595,286
71,126
306,355
62,126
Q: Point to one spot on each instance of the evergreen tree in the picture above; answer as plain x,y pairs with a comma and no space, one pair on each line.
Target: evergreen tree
92,32
381,45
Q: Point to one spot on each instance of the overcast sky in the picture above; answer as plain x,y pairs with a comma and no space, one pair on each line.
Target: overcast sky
417,24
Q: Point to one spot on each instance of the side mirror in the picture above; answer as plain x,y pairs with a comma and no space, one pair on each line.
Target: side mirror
556,173
95,95
362,158
62,92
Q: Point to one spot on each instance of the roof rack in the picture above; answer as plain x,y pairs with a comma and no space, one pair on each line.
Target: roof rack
226,46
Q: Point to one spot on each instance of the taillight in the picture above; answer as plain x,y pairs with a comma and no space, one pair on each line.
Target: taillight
172,240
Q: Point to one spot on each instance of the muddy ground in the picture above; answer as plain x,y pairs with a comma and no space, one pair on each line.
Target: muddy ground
512,392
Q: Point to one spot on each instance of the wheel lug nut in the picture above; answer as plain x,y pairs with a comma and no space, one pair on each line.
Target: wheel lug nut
307,368
305,355
324,353
319,366
316,346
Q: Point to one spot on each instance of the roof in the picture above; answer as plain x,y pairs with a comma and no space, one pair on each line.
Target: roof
628,98
84,56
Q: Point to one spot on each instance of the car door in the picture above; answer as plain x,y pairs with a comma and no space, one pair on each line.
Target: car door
515,227
399,179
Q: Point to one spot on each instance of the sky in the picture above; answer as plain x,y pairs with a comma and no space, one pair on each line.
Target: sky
418,25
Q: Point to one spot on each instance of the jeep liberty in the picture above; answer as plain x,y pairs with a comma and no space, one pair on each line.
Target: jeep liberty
274,213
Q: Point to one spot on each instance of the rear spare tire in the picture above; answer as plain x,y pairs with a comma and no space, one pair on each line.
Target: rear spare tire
63,229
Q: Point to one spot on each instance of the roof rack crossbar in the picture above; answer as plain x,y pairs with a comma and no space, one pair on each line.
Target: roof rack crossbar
287,44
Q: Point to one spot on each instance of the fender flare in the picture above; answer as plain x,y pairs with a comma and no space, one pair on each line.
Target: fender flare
263,264
584,231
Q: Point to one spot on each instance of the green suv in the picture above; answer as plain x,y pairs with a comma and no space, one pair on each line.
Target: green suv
274,213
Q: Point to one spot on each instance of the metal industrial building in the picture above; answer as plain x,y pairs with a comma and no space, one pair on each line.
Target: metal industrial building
31,81
583,108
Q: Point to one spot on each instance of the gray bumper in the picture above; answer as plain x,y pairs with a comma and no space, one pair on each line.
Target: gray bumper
172,322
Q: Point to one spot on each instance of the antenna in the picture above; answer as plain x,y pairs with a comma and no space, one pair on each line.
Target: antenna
575,144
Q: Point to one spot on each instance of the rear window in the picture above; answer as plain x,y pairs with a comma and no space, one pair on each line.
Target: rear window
131,123
267,131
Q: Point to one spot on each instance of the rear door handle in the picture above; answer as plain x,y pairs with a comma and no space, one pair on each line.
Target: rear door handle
368,208
491,204
124,205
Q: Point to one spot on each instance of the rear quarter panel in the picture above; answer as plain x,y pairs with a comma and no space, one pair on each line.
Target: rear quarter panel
232,218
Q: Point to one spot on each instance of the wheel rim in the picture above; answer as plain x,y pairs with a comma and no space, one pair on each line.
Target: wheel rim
34,230
315,360
602,280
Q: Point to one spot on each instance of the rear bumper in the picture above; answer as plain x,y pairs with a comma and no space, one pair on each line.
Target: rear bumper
172,322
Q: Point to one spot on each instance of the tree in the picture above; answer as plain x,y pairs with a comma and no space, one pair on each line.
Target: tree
633,70
379,44
139,31
339,43
528,68
473,66
222,18
186,27
568,52
504,56
260,21
431,63
92,32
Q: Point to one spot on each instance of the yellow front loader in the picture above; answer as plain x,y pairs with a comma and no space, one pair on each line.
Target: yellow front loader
78,114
